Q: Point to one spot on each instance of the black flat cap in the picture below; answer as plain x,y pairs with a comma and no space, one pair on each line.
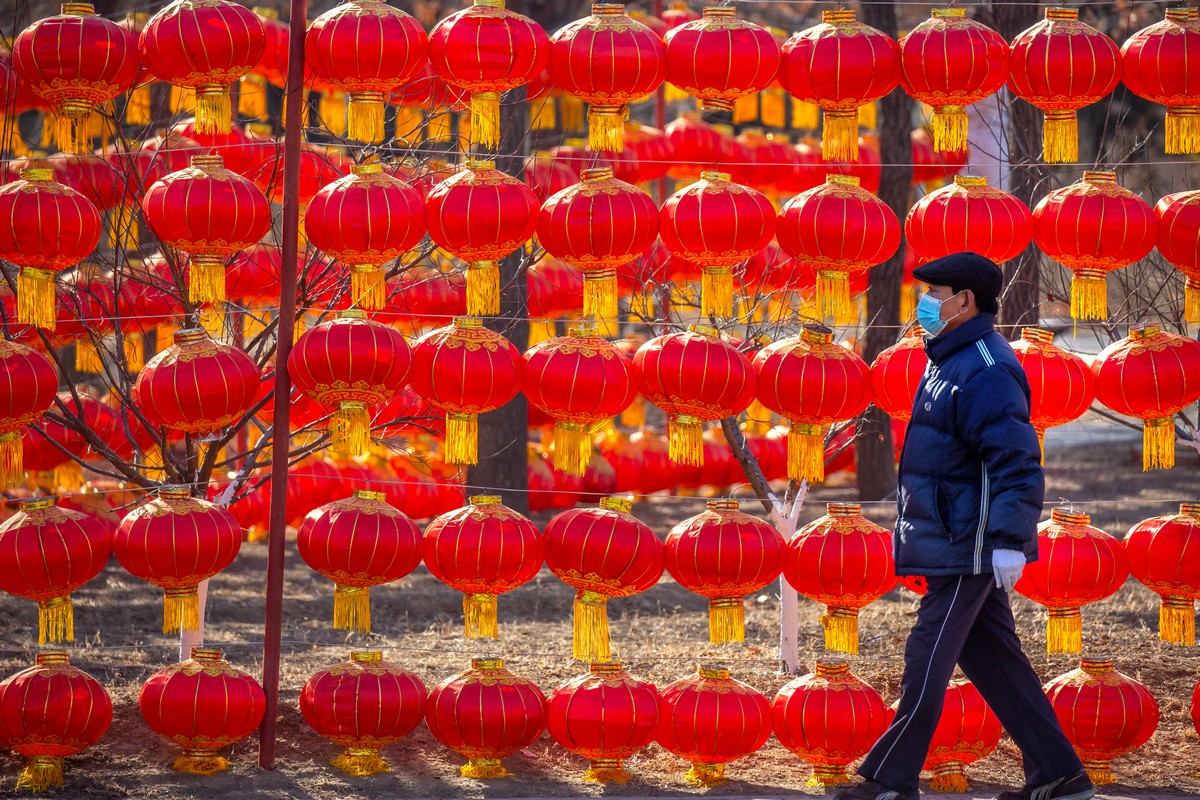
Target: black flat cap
963,271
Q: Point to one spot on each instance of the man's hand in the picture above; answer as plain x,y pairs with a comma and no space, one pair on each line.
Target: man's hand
1007,566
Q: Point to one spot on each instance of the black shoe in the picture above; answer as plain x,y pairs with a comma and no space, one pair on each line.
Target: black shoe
873,790
1072,787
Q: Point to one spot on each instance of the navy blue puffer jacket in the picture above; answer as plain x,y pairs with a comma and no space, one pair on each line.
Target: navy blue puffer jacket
970,473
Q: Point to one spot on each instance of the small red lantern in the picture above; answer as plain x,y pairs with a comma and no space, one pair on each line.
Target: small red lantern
896,375
175,541
1164,555
202,704
1077,564
1152,375
720,58
28,383
968,215
712,719
1061,65
1060,383
50,711
605,715
696,146
482,550
363,704
1104,713
844,561
967,731
652,149
485,714
1179,243
1156,65
724,554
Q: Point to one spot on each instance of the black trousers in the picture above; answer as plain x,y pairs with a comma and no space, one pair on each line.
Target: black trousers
965,619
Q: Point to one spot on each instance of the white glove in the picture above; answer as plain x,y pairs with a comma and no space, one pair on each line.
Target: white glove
1007,566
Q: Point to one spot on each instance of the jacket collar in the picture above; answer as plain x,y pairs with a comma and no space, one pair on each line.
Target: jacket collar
939,348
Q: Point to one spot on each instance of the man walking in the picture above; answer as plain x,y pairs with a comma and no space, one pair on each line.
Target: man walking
970,496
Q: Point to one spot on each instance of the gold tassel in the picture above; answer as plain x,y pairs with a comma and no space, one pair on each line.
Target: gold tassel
479,616
200,762
331,108
868,116
483,288
35,298
1060,137
705,775
949,777
839,138
606,770
572,447
745,109
833,294
252,96
87,357
672,93
485,119
181,609
153,464
462,438
56,620
182,99
1100,771
1183,129
123,229
1158,444
484,769
439,129
726,620
69,476
360,761
135,352
827,775
41,773
1064,631
634,416
1041,434
716,292
949,125
352,608
606,128
685,443
137,108
206,279
366,117
540,330
214,110
12,459
368,287
600,293
350,429
1191,300
806,453
1089,294
571,111
591,642
806,116
1177,620
213,322
73,128
542,116
841,629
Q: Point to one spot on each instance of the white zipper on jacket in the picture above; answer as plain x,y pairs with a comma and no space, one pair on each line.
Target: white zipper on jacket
984,498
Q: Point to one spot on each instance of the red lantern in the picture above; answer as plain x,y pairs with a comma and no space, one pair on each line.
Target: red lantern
1196,708
1152,375
28,383
720,58
485,714
1077,564
930,166
547,175
50,711
652,149
844,561
482,550
949,61
1155,66
607,60
829,718
367,49
597,225
357,543
176,541
363,704
712,719
968,215
605,715
696,146
1179,243
202,704
601,553
678,13
724,554
1164,554
840,65
839,228
1061,65
896,375
1060,383
207,47
76,61
967,731
1093,227
1104,713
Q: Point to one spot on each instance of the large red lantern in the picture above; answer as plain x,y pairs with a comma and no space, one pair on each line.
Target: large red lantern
896,375
1156,65
1076,564
605,715
202,704
720,58
1093,227
482,550
1164,555
844,561
1061,385
28,383
839,65
723,554
207,47
485,714
968,215
1179,243
359,542
607,60
829,718
49,711
1152,375
949,61
1104,713
176,541
601,553
711,719
367,49
1061,65
363,704
967,731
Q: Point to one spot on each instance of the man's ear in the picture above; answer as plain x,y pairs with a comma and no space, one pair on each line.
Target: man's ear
969,299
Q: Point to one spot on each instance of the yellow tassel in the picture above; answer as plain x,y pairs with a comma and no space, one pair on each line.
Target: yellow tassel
1089,294
949,131
360,761
137,109
606,770
352,608
705,775
87,357
828,775
726,620
745,109
591,642
1183,129
606,128
600,293
41,773
949,777
806,116
542,116
368,287
35,298
1060,137
69,476
868,116
366,117
1100,771
213,322
350,429
484,769
200,762
462,438
571,111
73,129
634,416
479,616
135,351
841,629
439,129
153,465
56,620
214,109
485,119
182,100
123,229
252,96
839,139
1158,444
572,447
181,610
483,288
716,292
685,444
1041,434
1191,300
806,453
1177,620
833,294
540,330
1064,631
331,108
672,93
12,459
206,279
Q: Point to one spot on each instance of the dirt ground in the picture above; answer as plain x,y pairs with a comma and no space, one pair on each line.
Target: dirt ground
661,635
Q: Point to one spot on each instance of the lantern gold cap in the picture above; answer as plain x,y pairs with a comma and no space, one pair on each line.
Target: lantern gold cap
37,174
608,9
1183,13
605,667
369,494
948,13
366,169
1144,331
480,163
38,503
53,657
189,335
720,11
1099,176
1190,509
78,9
174,492
487,663
838,15
723,504
714,176
352,313
1062,13
366,656
713,671
582,328
704,330
616,504
208,654
844,180
596,174
485,500
1096,665
844,509
489,3
468,323
207,161
1037,335
970,180
830,667
816,334
1065,516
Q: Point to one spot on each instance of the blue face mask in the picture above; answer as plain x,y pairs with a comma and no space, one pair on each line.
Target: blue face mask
929,315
